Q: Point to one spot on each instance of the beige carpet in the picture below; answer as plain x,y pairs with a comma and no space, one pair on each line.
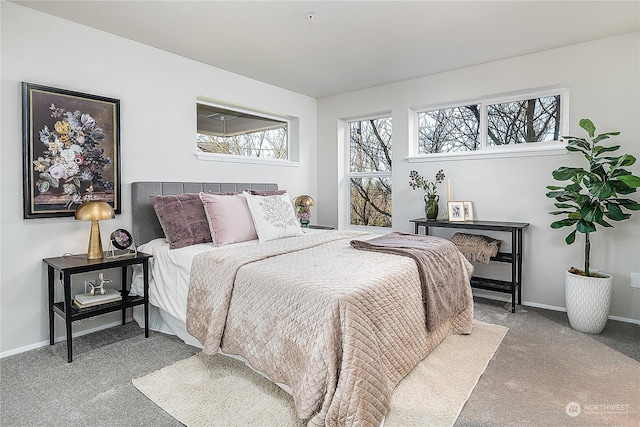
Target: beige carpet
219,391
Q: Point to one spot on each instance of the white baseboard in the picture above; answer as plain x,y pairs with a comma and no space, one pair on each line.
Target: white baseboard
63,338
624,319
544,306
503,297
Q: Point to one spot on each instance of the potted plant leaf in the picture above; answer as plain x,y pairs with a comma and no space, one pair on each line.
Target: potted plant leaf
594,196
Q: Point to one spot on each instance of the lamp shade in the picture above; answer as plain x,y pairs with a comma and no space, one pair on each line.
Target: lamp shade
304,200
95,211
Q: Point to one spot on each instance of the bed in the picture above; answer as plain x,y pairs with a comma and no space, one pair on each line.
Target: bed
335,326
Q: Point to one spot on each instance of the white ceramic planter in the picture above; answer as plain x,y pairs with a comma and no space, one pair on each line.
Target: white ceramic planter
588,301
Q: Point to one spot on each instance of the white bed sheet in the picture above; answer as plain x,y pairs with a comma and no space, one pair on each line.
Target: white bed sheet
169,273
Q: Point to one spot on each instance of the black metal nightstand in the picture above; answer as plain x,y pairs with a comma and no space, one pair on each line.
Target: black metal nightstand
321,227
74,264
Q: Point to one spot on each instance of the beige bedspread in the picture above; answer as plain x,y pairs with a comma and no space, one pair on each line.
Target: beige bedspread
340,327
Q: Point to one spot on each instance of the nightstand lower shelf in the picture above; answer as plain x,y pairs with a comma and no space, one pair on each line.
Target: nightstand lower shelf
78,313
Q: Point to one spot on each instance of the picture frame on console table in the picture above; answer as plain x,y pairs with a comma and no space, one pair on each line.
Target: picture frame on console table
456,211
468,210
71,150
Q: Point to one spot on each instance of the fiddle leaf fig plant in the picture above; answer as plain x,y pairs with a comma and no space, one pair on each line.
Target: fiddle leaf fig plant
595,194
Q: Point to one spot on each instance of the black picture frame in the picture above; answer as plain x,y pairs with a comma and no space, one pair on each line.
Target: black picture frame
71,150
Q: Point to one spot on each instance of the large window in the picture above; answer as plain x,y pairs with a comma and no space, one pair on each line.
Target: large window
370,172
232,132
525,120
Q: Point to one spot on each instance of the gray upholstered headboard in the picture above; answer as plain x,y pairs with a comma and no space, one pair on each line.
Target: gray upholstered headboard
146,226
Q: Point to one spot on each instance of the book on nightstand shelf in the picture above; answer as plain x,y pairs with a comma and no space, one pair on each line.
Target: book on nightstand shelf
86,300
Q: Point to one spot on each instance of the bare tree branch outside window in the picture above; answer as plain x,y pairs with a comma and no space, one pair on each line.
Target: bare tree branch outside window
519,122
370,172
449,130
270,144
457,129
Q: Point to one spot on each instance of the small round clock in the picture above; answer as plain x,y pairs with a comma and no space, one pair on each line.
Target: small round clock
121,238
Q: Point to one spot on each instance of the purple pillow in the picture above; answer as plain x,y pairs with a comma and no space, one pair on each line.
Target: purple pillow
182,218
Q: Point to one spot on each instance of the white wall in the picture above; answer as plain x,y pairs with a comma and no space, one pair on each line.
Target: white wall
603,77
158,94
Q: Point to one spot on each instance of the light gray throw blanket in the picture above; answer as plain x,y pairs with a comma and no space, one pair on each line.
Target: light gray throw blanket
443,294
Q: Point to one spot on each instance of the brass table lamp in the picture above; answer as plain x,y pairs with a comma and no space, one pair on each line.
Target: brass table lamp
303,205
95,211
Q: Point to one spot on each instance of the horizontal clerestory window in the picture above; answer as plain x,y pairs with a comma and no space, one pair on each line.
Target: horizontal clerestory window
239,133
489,125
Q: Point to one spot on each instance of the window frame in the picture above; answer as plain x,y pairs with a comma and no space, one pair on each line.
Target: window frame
493,151
345,221
291,132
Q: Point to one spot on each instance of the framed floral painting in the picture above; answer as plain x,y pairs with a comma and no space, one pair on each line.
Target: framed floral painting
71,150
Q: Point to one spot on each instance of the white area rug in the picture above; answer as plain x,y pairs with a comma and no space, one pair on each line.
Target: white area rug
219,391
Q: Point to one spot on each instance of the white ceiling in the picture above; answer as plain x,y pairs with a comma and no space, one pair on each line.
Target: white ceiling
350,45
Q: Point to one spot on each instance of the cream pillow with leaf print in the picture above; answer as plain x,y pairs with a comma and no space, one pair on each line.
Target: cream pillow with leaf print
273,216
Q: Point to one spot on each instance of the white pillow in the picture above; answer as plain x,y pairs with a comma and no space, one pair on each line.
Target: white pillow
273,216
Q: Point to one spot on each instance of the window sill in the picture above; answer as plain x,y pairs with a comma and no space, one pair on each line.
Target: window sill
242,159
549,149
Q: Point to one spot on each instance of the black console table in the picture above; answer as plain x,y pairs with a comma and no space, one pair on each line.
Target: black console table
514,257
